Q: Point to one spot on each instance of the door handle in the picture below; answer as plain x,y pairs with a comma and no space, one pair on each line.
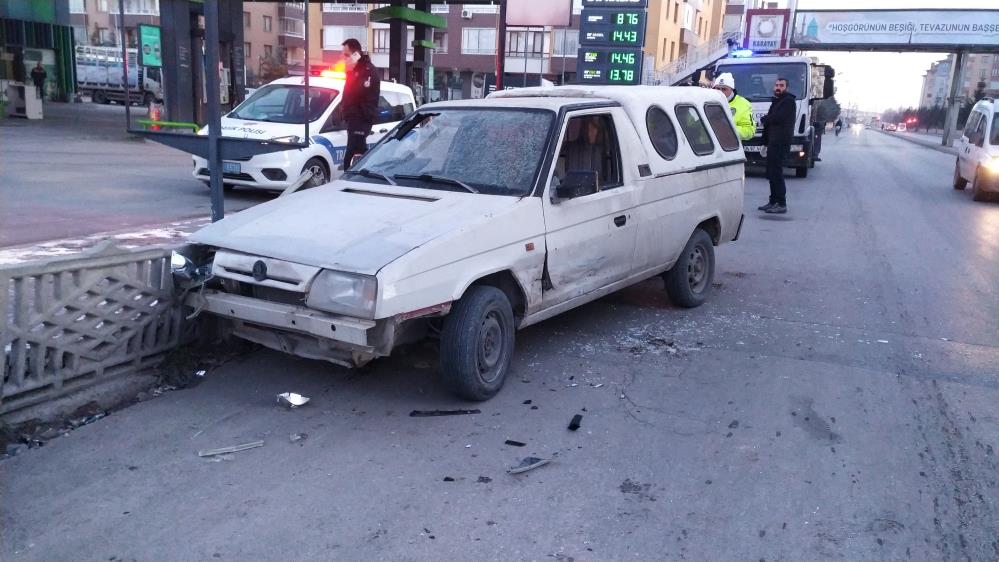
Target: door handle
382,130
620,220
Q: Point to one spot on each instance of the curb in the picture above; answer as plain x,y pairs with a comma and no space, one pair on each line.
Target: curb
938,147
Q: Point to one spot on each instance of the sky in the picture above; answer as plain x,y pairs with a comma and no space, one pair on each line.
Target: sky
879,81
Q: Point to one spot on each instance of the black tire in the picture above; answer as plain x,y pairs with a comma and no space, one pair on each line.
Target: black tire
959,182
320,174
688,282
99,97
977,193
801,172
472,365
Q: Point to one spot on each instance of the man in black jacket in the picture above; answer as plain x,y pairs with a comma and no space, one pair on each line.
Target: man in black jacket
778,128
359,106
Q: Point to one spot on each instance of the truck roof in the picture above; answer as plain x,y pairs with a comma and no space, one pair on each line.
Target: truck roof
765,59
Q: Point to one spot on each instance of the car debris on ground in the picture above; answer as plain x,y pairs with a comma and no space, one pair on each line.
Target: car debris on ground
433,413
528,463
292,399
574,424
232,449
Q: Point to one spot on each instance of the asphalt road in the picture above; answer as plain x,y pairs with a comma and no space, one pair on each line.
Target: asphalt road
835,399
77,172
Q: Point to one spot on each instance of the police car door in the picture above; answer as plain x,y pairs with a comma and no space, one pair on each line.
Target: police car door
392,108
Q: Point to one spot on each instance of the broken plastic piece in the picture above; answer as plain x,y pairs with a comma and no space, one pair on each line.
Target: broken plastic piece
448,479
574,424
294,437
291,399
529,463
432,413
201,373
233,449
513,443
527,401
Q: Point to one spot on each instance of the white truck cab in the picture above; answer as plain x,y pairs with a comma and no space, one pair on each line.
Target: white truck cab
475,218
978,152
276,111
808,81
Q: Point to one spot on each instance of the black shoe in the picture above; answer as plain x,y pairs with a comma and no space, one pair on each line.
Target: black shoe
766,207
777,209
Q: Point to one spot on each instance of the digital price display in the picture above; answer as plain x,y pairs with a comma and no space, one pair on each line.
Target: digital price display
607,65
616,4
612,27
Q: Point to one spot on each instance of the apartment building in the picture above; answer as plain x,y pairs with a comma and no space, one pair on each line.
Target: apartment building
936,84
273,32
464,57
981,67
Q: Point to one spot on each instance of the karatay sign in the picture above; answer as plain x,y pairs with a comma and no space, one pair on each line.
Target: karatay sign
903,29
766,29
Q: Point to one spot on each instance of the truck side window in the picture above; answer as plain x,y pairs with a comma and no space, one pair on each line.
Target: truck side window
969,127
590,145
722,126
662,133
693,128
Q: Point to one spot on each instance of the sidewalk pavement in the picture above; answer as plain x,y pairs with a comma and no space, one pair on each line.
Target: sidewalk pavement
929,140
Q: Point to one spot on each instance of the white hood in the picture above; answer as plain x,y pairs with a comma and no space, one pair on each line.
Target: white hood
349,226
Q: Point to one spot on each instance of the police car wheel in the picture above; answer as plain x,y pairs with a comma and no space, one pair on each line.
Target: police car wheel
320,173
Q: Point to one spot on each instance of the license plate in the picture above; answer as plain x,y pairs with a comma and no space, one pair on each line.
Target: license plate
231,168
753,148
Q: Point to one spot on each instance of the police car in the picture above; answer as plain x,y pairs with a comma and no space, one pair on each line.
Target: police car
276,112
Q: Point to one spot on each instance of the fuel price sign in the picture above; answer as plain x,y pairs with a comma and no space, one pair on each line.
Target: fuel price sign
608,65
612,27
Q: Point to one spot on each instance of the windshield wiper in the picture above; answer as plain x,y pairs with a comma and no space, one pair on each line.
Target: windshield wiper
369,174
436,179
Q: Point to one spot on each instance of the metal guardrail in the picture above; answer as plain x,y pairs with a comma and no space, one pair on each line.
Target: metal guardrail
69,323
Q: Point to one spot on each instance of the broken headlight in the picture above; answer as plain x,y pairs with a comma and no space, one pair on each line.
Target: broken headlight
344,293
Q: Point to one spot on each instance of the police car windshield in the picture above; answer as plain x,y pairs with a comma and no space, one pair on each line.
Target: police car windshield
493,151
755,82
284,103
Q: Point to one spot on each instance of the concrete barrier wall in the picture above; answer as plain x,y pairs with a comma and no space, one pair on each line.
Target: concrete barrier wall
67,324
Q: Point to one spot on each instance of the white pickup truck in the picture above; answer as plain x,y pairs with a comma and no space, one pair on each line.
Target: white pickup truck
475,218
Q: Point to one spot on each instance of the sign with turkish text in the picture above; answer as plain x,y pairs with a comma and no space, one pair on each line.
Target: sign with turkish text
904,29
766,30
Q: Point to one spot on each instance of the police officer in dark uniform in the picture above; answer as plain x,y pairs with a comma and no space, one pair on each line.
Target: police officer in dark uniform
359,106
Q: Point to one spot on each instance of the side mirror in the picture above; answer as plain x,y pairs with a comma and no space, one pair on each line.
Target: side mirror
577,183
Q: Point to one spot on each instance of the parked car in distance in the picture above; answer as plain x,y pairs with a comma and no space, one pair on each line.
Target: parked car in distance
276,112
978,152
475,218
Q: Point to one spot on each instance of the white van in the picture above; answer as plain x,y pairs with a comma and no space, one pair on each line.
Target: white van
978,152
276,112
476,218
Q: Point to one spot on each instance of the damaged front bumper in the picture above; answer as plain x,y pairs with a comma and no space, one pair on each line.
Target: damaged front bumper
302,331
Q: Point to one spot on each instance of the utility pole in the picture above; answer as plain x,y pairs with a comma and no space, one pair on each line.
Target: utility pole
953,100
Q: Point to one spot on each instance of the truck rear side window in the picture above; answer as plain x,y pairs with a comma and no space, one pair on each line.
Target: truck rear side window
662,133
722,126
693,128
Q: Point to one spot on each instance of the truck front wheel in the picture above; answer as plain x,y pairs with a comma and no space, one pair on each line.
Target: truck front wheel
477,343
801,172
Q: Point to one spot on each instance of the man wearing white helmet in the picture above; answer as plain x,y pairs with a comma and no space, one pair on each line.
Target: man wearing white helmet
742,111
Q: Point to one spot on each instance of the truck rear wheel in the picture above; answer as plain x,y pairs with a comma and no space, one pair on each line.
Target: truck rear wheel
99,97
688,282
477,343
